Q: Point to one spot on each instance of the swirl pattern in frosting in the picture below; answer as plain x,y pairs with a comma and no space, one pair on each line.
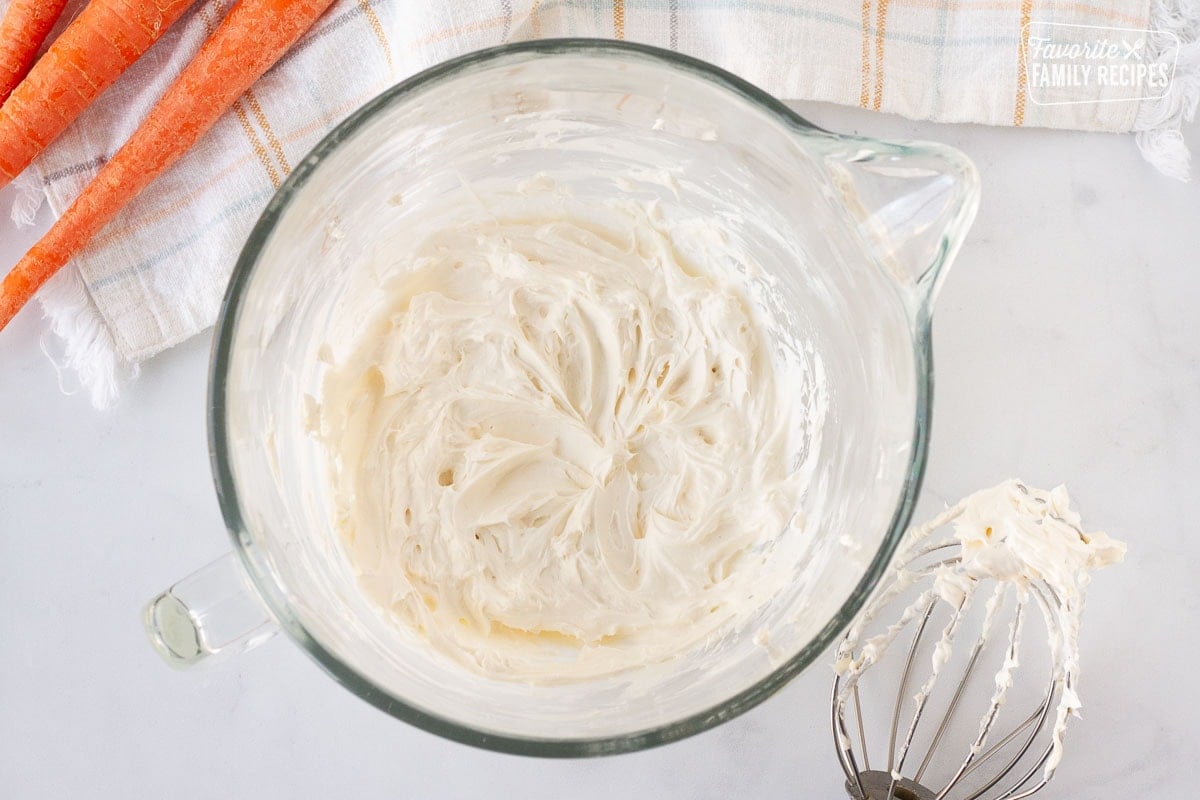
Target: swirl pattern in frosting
562,450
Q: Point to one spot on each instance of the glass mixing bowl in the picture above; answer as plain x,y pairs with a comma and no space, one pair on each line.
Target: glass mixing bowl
852,235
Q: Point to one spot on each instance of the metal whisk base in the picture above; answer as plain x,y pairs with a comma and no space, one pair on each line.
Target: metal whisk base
878,786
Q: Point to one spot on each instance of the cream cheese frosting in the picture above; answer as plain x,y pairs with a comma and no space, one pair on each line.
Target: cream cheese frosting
1018,534
561,449
1011,538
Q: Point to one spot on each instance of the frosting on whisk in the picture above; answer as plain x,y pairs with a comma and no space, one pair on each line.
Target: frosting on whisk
1013,536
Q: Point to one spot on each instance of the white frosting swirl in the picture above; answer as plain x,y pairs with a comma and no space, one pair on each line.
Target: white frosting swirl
562,450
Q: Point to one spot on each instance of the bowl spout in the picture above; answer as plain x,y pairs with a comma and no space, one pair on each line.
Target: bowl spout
912,204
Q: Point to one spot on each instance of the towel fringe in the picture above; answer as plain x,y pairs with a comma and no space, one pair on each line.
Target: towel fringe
1174,24
85,345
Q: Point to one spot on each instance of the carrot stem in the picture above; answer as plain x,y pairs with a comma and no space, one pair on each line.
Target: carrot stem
25,26
99,45
252,37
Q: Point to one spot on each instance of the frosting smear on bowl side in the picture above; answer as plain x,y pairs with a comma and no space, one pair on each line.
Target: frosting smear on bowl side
561,449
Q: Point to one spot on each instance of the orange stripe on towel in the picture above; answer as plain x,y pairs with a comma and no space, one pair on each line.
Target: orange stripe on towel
1022,77
864,93
880,35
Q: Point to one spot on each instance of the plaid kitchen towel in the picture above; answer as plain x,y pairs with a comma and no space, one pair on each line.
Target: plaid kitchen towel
156,276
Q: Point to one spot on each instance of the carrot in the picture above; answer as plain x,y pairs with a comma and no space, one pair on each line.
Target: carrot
253,36
26,25
87,57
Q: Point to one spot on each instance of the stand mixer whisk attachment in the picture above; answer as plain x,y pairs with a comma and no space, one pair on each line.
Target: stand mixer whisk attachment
1014,570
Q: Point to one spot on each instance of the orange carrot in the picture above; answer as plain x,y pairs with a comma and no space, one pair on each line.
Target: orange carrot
251,38
87,57
26,25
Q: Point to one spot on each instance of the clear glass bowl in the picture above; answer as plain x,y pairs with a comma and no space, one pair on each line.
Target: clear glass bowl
853,236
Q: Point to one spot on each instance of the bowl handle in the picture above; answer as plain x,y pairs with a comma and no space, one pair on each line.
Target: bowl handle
208,616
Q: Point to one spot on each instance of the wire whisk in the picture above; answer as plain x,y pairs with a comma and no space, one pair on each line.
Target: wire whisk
936,749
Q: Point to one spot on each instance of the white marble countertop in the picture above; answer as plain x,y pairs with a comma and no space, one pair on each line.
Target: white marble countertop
1067,348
